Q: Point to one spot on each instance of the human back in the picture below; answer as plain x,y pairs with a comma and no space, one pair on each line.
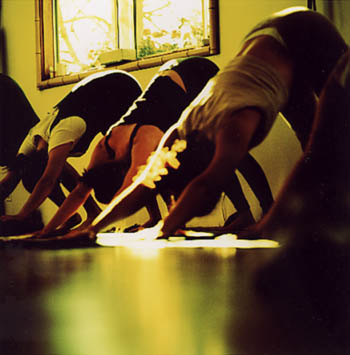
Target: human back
313,42
100,100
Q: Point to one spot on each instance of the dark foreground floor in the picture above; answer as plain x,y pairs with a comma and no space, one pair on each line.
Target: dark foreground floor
169,301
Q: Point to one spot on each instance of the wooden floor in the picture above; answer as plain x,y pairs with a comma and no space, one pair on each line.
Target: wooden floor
118,300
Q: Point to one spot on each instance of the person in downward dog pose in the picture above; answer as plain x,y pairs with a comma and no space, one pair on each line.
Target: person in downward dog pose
129,142
91,107
278,69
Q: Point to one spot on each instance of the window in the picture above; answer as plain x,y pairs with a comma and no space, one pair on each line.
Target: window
78,37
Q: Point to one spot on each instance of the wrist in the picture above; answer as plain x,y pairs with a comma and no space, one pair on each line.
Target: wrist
168,227
93,229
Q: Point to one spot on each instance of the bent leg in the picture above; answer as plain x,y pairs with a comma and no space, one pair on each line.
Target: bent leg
300,110
316,194
69,178
313,209
33,168
256,178
243,217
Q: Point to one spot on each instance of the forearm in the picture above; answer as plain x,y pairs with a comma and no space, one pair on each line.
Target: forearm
198,199
91,207
127,206
54,167
37,197
70,179
71,204
153,211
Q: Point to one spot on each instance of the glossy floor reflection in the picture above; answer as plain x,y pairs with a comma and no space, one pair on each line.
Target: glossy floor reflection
128,301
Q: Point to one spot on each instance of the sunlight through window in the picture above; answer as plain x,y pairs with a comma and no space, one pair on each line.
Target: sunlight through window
95,33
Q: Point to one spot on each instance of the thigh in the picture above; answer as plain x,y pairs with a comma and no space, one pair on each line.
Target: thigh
300,109
329,139
33,169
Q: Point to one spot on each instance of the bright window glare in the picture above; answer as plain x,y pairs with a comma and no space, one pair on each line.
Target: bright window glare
87,28
169,25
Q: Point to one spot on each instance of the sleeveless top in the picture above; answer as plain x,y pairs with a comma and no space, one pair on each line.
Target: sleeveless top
100,100
163,101
312,40
106,179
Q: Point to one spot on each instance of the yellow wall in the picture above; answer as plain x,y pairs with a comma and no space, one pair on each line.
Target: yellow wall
276,155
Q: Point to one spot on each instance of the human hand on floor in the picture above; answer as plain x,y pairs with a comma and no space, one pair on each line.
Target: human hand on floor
150,223
42,234
84,225
87,233
149,233
132,229
150,229
19,224
263,228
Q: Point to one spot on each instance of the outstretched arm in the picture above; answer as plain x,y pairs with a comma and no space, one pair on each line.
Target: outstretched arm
128,201
70,205
136,200
80,193
57,158
201,195
70,179
145,143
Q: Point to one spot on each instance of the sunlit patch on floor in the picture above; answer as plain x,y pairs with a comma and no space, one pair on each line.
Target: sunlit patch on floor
134,240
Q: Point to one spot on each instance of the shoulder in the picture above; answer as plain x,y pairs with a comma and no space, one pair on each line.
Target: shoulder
68,130
72,123
149,131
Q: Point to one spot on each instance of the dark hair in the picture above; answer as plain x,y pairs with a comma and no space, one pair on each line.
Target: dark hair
105,179
30,167
193,161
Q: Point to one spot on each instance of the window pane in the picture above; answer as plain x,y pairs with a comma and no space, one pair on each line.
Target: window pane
126,24
95,33
85,28
165,25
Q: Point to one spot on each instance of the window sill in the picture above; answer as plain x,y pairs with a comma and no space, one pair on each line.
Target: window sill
140,64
